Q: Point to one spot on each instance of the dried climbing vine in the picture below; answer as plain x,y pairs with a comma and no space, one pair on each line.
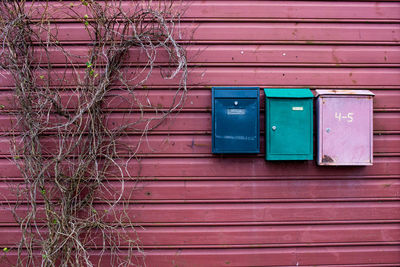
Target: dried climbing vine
63,139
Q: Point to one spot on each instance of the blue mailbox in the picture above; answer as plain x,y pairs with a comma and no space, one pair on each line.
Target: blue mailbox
235,120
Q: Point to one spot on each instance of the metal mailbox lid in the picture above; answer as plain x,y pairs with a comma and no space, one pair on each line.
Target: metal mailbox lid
234,92
325,92
235,120
289,124
288,93
345,128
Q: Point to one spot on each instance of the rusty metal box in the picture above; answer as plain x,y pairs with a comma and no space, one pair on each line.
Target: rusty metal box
235,120
345,128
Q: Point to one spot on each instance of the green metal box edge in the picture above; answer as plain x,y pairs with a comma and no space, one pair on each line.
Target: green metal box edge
288,93
273,93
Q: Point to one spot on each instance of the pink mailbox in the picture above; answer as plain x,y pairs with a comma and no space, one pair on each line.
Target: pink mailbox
344,127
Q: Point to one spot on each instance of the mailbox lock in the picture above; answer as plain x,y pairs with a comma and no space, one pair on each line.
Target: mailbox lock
328,130
273,128
235,103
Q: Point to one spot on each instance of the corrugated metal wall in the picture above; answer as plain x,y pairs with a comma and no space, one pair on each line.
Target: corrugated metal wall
199,209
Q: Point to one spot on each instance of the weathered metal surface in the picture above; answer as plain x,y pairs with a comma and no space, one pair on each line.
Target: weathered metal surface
241,210
261,54
249,236
201,191
187,145
200,123
198,100
257,31
344,92
345,127
236,213
329,256
237,168
256,76
259,10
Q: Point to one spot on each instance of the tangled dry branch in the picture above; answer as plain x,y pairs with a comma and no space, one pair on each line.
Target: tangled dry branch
69,210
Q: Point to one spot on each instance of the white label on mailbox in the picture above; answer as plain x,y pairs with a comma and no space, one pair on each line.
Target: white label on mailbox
297,108
236,111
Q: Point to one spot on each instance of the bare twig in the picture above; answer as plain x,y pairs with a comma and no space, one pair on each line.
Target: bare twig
62,189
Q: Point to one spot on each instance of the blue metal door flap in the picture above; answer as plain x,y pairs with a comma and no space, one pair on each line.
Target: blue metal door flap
235,120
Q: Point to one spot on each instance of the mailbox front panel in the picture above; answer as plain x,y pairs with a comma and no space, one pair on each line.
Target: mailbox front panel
289,129
344,130
288,124
235,120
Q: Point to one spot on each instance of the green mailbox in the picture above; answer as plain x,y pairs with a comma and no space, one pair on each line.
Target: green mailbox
288,124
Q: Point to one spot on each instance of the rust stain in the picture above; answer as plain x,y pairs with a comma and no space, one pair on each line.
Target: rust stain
201,145
378,9
347,92
327,159
335,58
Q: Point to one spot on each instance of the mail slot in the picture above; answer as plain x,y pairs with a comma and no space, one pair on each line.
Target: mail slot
235,120
345,128
288,124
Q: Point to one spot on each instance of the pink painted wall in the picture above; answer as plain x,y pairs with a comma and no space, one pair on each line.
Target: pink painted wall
200,209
